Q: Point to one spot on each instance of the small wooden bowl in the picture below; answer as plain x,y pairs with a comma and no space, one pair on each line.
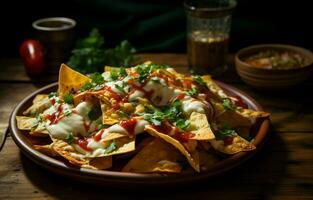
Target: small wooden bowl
273,79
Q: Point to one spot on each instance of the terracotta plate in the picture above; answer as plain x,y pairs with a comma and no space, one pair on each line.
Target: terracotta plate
121,179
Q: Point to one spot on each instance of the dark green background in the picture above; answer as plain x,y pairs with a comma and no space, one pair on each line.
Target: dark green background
156,25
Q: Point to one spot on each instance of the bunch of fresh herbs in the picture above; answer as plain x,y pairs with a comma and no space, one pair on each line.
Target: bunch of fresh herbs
90,55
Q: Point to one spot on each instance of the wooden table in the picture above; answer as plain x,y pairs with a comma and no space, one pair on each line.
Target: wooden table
283,169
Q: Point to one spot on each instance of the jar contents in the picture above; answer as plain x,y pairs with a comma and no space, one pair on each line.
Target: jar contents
207,52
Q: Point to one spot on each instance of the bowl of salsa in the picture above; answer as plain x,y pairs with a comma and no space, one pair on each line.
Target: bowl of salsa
274,66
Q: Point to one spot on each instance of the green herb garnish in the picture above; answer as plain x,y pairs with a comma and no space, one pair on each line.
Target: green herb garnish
123,72
68,113
95,113
172,113
199,80
144,70
52,94
121,87
110,148
228,104
90,55
68,98
182,124
85,87
97,78
69,138
226,131
193,91
113,75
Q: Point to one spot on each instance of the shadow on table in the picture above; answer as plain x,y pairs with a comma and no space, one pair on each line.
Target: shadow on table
258,178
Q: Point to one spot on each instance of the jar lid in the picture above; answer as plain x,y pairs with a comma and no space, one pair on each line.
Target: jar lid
209,8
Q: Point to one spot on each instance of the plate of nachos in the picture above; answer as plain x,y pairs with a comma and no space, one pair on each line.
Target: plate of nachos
143,125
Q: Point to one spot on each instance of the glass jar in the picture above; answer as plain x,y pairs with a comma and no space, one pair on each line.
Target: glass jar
208,27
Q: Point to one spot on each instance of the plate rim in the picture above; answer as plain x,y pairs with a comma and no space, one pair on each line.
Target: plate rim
124,178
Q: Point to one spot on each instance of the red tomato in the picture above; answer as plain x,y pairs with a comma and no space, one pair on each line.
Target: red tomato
31,52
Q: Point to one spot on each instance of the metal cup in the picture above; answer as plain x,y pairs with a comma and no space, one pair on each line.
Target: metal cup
57,35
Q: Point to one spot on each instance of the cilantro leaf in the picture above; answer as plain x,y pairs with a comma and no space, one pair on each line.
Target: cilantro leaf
182,124
199,80
228,104
226,131
97,78
95,113
123,72
113,75
155,118
68,113
193,91
68,98
52,94
144,70
69,138
85,87
110,148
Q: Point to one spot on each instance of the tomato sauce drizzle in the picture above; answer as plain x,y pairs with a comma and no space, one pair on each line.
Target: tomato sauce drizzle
238,101
55,117
228,140
98,136
129,126
181,96
83,143
182,137
52,101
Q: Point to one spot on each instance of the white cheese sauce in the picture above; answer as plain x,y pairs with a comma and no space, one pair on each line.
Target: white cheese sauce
190,105
162,94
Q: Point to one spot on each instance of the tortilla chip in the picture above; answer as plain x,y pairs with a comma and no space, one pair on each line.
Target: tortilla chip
123,145
252,113
200,127
70,80
234,119
110,68
25,123
39,105
39,97
46,149
100,163
157,156
239,144
68,152
192,157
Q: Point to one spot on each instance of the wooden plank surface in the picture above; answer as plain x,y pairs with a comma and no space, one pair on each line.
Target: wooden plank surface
281,170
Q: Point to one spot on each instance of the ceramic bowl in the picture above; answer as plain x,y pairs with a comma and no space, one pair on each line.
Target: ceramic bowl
273,79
